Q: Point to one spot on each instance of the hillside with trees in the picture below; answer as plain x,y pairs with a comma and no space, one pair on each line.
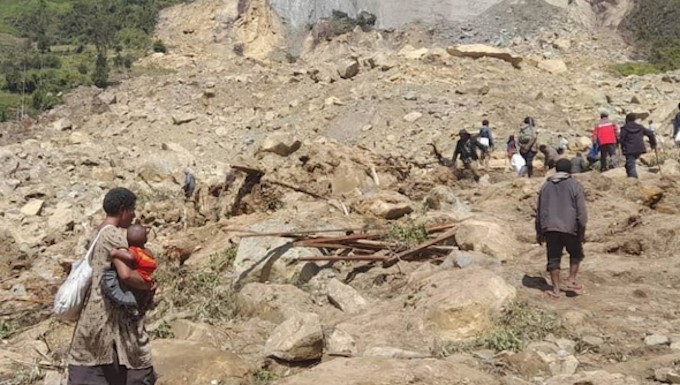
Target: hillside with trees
51,46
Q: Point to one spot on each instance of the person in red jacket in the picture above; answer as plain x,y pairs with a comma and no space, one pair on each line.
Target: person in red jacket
606,135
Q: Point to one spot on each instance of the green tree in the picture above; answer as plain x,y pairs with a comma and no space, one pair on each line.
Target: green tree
100,77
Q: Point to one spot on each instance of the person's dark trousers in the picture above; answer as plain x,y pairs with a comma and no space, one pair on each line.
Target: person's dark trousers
631,160
556,243
606,151
529,159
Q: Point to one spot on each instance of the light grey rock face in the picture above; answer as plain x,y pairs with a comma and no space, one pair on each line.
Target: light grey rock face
390,13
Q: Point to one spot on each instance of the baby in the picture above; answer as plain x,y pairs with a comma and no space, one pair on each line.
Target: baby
138,258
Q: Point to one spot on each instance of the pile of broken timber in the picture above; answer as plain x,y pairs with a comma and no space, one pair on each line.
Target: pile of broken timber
374,246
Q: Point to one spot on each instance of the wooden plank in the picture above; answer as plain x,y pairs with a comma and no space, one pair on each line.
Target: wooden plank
343,258
404,254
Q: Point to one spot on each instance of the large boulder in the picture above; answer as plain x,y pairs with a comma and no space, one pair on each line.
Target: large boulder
299,338
180,362
390,371
580,144
340,343
271,302
385,204
450,305
471,298
348,69
345,297
486,237
477,51
282,144
269,258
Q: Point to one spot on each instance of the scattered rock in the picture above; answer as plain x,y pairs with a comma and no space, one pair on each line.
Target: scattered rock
380,370
107,97
348,69
562,44
656,339
33,207
180,362
388,352
410,53
271,302
62,219
345,298
78,138
413,116
593,378
554,66
564,364
282,144
477,51
104,174
299,338
62,125
179,118
593,341
340,343
486,237
53,378
580,144
333,101
384,62
385,204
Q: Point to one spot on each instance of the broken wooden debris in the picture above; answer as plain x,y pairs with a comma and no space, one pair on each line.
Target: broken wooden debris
373,245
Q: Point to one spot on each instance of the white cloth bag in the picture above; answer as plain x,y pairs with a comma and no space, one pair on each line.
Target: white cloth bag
70,298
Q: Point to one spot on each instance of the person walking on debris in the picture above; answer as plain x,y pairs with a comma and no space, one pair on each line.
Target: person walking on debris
606,135
561,219
189,183
676,129
633,143
485,135
561,144
466,148
527,144
511,146
551,156
578,164
486,139
110,346
593,156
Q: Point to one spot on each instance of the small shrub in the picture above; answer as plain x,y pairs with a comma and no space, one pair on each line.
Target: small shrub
639,69
519,325
7,329
407,236
127,63
159,46
82,68
264,376
164,331
239,49
207,293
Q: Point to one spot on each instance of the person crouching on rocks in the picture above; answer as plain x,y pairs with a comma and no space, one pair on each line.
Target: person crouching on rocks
561,219
466,148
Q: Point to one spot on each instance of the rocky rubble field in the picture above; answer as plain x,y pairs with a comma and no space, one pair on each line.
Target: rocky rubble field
341,138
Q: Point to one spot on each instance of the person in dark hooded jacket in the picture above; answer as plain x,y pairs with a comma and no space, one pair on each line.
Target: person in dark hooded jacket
561,219
633,143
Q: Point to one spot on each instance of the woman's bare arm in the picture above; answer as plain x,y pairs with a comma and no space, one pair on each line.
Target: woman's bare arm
130,277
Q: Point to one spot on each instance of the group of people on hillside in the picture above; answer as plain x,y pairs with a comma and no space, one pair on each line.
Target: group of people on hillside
607,138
